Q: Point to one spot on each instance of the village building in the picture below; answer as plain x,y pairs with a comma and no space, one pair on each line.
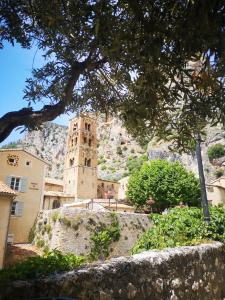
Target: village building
216,191
24,173
6,198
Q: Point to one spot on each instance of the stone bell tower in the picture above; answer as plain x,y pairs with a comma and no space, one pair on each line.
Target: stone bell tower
80,173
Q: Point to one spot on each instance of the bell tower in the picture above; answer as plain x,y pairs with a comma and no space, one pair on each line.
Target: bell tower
80,172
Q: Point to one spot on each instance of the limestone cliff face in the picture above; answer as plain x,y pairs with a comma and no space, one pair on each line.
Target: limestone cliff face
115,146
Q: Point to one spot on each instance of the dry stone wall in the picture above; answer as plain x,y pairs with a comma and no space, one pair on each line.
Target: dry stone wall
185,273
70,230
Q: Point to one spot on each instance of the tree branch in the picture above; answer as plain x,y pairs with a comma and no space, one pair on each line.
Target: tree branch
32,119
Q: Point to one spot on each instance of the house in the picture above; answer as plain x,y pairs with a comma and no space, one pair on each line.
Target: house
54,197
24,173
107,189
6,197
216,191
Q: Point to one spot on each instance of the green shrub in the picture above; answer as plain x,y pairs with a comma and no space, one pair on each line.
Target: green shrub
34,267
135,163
64,220
218,173
40,243
103,167
119,150
215,151
103,237
180,227
55,216
167,183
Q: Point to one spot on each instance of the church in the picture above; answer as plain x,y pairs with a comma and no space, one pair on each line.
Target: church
80,184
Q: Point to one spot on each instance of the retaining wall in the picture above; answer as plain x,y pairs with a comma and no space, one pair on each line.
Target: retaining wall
70,230
185,273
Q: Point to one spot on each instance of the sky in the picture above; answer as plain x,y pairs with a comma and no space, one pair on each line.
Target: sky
15,66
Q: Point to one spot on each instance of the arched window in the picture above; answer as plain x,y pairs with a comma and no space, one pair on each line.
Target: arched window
75,127
86,126
85,140
89,142
89,162
71,162
89,127
55,204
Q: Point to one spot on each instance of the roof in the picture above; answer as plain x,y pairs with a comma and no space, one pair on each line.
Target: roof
58,194
118,205
218,179
113,181
5,190
53,181
21,149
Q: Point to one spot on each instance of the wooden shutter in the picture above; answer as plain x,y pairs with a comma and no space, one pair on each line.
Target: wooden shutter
23,185
19,209
8,180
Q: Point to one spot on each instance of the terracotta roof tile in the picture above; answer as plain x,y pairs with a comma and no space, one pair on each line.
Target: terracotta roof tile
5,190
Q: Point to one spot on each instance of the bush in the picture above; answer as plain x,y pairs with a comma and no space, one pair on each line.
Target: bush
215,151
167,183
182,226
34,267
119,150
103,237
134,164
218,173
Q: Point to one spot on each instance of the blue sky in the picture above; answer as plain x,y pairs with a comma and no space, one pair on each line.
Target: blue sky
16,65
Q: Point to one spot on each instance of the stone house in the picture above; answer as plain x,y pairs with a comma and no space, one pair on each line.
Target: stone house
216,191
6,198
24,173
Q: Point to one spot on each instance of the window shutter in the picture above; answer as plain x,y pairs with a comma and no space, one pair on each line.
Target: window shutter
23,185
8,180
19,209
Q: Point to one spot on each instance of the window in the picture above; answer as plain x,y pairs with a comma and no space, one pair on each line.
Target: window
75,127
15,183
56,204
89,142
86,126
87,162
89,127
71,162
17,208
28,163
85,140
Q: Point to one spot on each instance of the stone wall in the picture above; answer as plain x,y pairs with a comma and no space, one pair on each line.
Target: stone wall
70,229
185,273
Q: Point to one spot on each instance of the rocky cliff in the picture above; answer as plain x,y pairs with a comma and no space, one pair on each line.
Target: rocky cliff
115,147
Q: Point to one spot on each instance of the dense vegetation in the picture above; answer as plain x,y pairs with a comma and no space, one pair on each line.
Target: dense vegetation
34,267
134,163
165,182
182,226
215,151
129,57
103,237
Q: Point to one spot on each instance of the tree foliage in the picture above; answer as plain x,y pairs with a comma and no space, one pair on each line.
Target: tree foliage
215,151
167,183
182,227
130,57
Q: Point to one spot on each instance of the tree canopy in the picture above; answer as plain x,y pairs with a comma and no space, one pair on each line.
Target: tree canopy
159,65
165,182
